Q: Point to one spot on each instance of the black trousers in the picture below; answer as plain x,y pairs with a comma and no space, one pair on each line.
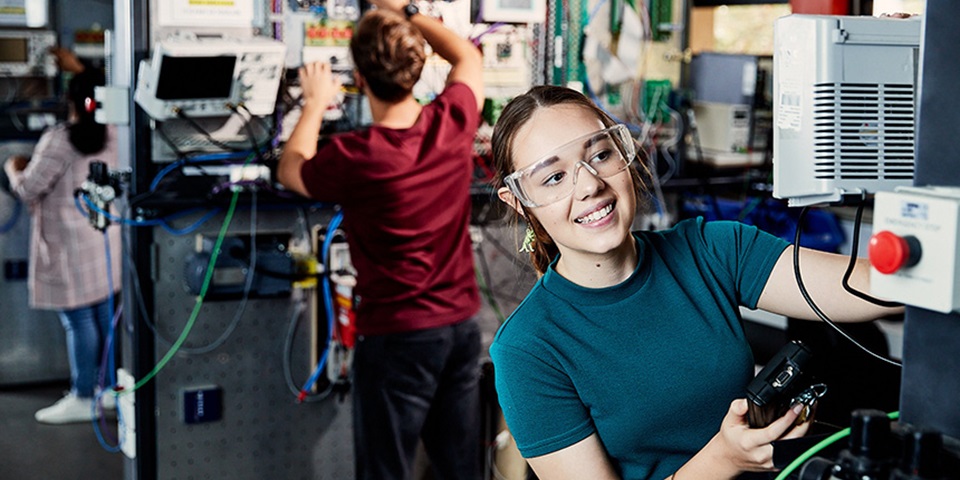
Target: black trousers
418,385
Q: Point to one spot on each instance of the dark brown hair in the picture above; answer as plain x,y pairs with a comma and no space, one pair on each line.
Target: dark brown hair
388,52
514,116
86,135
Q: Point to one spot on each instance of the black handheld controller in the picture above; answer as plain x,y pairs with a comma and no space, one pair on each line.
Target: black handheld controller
784,381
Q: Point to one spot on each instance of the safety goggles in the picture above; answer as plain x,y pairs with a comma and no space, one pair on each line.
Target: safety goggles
603,153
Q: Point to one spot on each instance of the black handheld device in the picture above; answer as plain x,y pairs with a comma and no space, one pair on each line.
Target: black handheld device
779,385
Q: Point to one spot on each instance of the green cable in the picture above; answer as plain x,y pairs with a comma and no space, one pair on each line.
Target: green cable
203,292
196,308
820,446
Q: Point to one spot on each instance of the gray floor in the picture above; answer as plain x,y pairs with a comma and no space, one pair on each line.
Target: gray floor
31,450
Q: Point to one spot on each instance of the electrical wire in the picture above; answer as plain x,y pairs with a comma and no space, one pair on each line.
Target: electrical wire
135,279
492,28
196,310
288,354
810,302
96,426
107,215
138,293
588,88
14,217
162,222
107,357
190,228
820,446
247,287
247,125
213,157
328,304
109,353
272,132
855,245
671,164
107,360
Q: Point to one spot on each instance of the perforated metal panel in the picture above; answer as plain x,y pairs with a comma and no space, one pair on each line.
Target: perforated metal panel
263,432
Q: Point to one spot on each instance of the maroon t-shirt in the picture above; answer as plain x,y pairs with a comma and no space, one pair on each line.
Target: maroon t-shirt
405,196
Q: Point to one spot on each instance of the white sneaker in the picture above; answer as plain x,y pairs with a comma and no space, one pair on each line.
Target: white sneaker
108,400
69,409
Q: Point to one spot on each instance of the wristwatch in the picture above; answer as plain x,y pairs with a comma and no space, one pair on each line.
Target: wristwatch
410,10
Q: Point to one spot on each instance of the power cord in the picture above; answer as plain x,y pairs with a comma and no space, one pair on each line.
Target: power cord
328,307
197,306
853,260
298,310
14,217
816,309
247,287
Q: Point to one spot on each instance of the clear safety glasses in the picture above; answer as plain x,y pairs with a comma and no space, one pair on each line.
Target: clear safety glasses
603,153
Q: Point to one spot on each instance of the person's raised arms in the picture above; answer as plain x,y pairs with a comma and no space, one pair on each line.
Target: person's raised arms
320,87
465,59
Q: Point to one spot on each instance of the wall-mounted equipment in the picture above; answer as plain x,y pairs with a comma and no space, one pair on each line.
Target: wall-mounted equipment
844,103
513,11
732,104
506,62
25,53
25,13
204,77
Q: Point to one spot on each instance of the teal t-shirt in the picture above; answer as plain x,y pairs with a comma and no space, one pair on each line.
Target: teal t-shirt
651,364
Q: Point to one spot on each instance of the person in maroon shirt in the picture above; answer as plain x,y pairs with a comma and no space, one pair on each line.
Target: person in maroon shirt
403,185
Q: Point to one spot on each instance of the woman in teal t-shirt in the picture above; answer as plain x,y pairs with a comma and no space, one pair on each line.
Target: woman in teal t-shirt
627,358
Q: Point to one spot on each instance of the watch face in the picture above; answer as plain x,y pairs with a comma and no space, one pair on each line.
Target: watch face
411,10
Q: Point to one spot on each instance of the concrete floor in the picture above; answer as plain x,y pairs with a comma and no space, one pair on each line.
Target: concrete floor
31,450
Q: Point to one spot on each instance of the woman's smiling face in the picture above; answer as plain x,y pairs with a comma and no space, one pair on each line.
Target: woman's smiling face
596,218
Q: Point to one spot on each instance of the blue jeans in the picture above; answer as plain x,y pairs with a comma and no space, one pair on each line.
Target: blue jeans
418,385
87,329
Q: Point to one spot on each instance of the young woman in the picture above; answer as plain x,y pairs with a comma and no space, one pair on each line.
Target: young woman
68,259
627,359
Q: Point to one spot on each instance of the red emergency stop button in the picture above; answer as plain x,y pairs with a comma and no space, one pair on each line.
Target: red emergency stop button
890,252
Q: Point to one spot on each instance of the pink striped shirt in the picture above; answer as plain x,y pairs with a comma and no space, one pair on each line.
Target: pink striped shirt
68,267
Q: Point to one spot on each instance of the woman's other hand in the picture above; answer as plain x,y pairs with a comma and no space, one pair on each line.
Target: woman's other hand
751,449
